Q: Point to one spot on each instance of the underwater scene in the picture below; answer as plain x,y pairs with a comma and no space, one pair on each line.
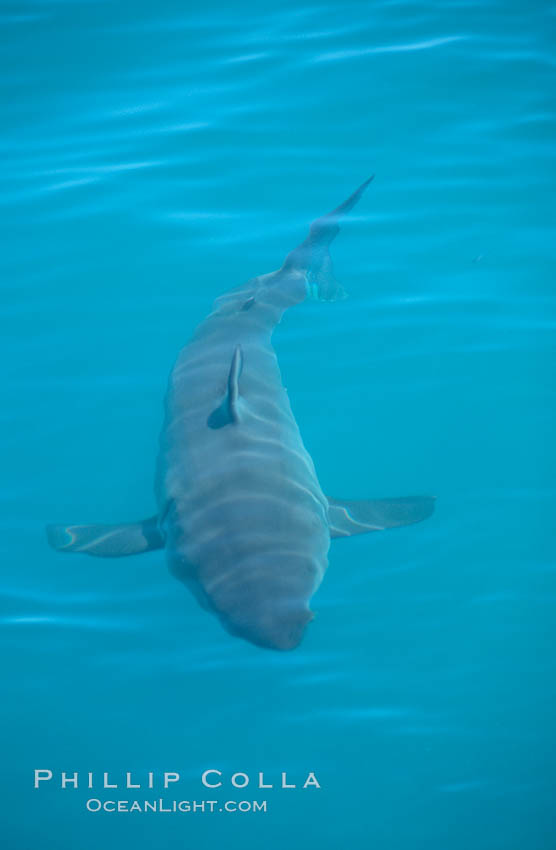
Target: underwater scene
278,576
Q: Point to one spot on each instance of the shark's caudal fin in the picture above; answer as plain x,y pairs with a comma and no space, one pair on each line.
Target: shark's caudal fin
313,256
358,516
107,541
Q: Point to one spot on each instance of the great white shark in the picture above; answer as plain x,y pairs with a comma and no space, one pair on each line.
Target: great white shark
240,511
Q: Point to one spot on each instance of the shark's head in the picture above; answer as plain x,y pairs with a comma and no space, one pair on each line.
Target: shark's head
265,600
278,624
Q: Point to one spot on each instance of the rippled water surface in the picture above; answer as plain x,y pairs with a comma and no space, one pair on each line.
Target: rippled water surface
154,154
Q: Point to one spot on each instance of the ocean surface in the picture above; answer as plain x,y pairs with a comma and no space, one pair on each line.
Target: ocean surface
154,155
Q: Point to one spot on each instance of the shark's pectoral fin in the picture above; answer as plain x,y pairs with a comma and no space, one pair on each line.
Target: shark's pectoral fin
107,541
227,413
358,516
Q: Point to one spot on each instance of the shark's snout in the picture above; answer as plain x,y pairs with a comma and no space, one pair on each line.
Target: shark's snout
280,626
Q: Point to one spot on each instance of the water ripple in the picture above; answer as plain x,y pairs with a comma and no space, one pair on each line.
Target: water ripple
356,53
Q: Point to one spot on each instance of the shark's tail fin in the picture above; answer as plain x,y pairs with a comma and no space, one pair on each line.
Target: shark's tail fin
313,256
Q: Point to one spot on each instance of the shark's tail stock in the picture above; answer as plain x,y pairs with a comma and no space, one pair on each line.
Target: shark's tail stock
313,257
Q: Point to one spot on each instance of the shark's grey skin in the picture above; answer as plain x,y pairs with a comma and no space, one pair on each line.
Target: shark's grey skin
241,513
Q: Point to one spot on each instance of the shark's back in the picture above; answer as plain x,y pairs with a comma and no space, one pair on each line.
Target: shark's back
244,517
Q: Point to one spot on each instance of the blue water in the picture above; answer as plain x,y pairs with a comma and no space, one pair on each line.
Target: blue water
154,154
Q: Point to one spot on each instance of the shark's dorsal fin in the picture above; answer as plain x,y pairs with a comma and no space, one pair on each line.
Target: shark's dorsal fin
358,516
227,413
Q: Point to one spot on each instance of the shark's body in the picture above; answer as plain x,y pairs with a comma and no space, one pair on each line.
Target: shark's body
241,513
